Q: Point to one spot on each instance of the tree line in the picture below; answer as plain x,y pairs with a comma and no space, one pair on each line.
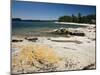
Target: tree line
91,19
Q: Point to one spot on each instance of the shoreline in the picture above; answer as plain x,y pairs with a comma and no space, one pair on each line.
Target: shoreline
69,53
71,23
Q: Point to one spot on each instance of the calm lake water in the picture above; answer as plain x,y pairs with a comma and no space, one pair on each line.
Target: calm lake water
37,28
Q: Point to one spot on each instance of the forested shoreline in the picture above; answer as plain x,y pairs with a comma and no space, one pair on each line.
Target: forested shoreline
90,19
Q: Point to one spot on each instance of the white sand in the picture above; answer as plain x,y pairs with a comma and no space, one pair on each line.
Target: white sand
71,23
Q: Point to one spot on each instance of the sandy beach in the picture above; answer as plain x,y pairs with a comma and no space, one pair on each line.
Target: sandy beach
46,54
71,23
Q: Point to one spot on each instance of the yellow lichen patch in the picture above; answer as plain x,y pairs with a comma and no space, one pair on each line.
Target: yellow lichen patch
45,53
34,56
39,52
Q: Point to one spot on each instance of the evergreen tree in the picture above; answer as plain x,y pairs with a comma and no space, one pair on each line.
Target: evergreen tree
79,17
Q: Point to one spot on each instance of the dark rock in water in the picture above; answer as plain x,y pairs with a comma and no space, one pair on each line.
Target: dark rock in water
16,40
33,39
69,32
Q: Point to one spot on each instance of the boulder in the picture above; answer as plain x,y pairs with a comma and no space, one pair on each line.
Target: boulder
69,31
61,31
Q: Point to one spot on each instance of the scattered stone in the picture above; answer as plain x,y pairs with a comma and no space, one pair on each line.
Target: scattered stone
77,33
16,40
88,41
93,39
32,39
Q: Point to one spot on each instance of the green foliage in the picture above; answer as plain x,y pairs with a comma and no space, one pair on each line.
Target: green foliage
74,19
78,19
65,19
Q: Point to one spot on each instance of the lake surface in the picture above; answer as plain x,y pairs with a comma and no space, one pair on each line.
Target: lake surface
37,28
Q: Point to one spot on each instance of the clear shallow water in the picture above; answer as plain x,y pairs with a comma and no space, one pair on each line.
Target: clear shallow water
37,28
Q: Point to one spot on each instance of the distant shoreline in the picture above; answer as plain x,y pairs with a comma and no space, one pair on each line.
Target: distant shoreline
71,23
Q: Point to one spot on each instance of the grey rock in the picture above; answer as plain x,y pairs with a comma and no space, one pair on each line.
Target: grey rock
69,31
16,40
32,39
